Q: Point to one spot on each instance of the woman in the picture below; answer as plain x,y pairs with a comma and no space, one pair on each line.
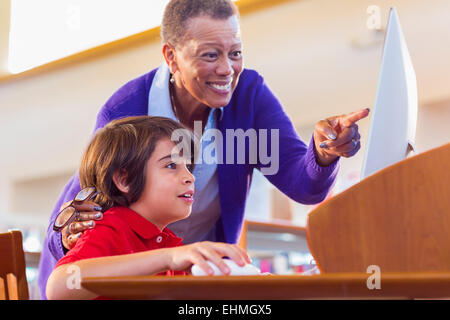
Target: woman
203,80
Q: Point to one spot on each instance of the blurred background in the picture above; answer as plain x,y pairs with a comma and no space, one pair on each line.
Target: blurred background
60,60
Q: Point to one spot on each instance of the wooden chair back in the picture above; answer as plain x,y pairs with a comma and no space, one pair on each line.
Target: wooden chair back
13,280
397,219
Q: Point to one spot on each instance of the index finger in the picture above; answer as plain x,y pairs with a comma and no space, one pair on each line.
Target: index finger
235,253
351,118
87,207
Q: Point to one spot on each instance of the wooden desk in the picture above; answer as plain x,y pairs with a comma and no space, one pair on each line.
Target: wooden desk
273,287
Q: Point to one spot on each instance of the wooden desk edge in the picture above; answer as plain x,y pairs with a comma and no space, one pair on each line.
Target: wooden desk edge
342,285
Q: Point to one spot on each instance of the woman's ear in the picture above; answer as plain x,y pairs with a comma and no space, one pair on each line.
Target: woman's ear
169,55
120,180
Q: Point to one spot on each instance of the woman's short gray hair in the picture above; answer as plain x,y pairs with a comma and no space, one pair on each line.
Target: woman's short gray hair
178,12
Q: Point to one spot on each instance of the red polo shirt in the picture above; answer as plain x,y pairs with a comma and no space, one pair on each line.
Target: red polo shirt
121,231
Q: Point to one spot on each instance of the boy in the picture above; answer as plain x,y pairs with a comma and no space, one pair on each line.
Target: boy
143,187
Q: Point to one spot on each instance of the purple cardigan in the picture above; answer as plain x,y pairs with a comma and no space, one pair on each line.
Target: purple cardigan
252,106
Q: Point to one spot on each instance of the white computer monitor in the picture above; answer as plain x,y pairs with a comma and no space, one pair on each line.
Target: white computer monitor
394,114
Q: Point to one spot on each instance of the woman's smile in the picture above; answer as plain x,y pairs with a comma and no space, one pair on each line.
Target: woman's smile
220,87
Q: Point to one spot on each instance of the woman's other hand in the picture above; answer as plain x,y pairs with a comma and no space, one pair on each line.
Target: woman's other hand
182,258
89,212
338,137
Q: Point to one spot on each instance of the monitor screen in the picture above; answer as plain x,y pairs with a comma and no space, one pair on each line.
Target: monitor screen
394,114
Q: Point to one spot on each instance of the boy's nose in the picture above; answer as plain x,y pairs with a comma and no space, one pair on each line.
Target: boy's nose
188,177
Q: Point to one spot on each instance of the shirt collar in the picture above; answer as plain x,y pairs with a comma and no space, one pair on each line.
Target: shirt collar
159,97
144,228
220,111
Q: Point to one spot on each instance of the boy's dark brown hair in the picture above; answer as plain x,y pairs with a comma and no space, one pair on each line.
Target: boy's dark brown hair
125,145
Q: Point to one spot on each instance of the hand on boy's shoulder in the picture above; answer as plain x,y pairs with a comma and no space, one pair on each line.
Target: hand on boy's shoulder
89,214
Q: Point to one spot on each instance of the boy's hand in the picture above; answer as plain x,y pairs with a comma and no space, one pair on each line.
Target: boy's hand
182,258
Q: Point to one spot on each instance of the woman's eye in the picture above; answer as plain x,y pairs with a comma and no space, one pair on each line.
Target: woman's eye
237,54
210,55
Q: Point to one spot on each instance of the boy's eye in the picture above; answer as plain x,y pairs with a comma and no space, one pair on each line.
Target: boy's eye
172,165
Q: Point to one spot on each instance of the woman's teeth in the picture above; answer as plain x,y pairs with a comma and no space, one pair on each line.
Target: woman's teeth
221,87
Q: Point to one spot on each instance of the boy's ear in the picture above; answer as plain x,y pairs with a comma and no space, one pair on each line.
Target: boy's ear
120,180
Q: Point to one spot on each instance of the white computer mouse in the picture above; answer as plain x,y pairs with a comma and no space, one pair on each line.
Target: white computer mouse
236,270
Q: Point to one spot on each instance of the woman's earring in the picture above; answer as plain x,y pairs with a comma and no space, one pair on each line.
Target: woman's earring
172,80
